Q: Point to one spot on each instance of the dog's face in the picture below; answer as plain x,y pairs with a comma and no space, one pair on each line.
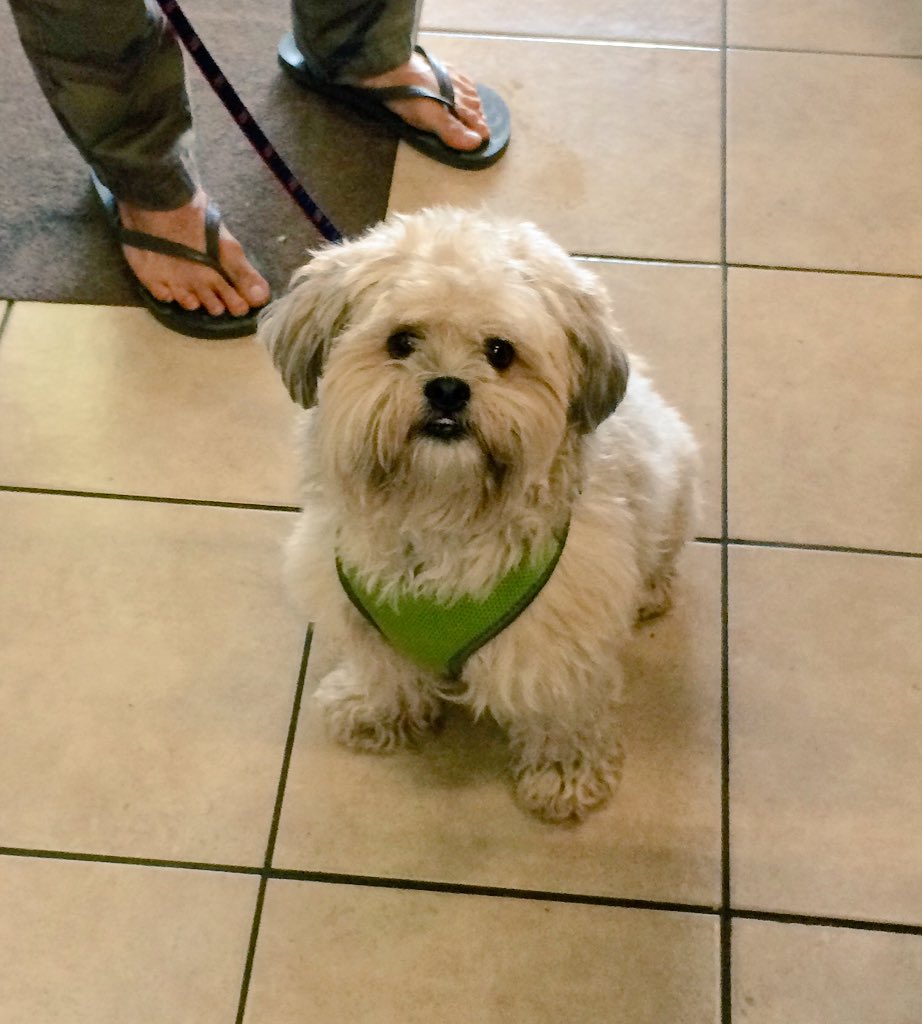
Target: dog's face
443,348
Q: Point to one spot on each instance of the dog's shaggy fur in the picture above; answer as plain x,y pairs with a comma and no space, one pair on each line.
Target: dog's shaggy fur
426,499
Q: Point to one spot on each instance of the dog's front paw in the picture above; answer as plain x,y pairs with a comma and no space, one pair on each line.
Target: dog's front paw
567,788
356,720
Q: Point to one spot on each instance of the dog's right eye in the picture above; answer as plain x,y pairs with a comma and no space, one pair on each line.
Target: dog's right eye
401,344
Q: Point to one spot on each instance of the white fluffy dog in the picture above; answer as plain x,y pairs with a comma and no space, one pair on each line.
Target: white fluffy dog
490,501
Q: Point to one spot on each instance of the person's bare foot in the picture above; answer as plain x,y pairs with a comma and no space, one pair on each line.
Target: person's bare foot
465,130
192,285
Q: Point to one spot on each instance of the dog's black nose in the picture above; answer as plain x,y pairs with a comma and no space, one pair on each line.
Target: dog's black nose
447,394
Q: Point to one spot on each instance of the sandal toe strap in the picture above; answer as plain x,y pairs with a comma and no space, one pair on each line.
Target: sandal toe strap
212,233
154,243
446,89
403,92
445,95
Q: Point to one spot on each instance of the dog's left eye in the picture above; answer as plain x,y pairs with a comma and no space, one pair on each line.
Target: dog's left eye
500,353
401,344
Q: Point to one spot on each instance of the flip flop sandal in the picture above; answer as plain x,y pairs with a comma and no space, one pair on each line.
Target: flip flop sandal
196,323
370,103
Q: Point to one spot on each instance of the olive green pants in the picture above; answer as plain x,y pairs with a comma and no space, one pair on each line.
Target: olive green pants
113,74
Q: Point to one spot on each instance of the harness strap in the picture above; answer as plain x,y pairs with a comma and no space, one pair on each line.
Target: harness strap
441,637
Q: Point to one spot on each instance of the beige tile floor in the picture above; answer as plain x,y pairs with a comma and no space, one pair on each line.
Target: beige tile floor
178,840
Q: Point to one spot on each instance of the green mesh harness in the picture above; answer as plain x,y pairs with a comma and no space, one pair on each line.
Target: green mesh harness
441,637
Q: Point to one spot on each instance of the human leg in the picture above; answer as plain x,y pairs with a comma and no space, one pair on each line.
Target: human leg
369,44
115,81
348,40
114,78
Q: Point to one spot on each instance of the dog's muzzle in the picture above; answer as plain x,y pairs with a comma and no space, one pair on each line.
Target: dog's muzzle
448,398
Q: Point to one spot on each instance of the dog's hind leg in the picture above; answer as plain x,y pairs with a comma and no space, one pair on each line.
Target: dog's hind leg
656,595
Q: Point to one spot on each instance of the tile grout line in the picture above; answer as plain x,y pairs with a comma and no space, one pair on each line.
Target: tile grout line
806,52
115,860
835,271
526,37
266,871
818,921
726,913
838,549
471,889
661,44
784,545
150,498
661,261
492,891
5,319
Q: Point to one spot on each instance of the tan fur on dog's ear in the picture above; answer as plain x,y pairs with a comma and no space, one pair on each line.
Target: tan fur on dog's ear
578,301
603,373
299,328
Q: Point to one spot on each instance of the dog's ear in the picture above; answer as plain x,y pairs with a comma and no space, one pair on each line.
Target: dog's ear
299,328
603,367
577,300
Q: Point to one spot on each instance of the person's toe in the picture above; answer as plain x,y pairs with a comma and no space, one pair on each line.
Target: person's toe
211,298
455,133
251,287
187,299
231,299
161,291
469,108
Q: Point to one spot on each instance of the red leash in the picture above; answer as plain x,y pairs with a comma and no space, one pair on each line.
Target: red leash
245,121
